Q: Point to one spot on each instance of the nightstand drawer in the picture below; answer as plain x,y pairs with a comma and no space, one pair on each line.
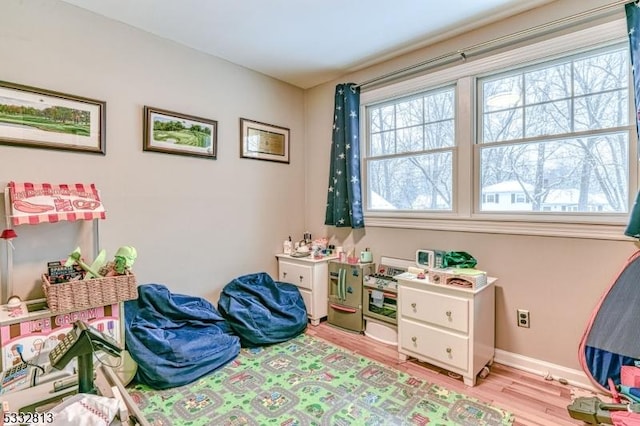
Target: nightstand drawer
441,310
442,346
306,297
299,275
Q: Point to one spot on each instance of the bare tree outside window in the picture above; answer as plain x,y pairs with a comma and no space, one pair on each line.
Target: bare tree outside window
556,135
547,141
410,159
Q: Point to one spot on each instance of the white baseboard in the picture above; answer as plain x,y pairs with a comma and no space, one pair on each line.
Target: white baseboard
543,368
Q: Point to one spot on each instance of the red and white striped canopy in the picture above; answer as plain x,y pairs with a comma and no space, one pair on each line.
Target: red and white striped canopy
33,203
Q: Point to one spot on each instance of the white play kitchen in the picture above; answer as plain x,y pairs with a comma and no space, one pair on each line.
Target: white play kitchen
436,308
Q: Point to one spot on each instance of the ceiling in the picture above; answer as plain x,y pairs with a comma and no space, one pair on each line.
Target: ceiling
305,42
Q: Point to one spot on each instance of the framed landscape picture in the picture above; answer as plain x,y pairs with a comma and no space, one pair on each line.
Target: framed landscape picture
175,133
263,141
41,118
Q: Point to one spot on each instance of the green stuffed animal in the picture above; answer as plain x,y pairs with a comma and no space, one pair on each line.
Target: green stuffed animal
124,259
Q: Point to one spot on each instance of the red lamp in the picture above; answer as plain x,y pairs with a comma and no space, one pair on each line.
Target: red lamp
8,234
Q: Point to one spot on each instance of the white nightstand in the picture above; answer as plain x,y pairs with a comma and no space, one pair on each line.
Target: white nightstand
447,326
311,277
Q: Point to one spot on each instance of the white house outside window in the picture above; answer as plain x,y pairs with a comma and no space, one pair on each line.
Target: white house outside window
492,145
559,133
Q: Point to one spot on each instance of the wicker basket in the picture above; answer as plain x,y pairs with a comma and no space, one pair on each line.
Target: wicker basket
84,294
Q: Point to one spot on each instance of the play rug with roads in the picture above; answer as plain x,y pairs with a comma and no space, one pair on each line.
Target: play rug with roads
309,381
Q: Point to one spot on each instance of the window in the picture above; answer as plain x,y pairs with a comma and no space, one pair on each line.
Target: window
559,132
410,152
518,198
538,140
490,198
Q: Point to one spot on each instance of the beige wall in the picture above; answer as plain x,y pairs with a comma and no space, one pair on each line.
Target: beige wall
559,280
196,223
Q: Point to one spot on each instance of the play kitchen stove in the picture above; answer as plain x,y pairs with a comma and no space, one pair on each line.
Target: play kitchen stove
380,299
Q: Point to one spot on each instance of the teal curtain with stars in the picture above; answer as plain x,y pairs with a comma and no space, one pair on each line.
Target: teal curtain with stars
633,26
344,196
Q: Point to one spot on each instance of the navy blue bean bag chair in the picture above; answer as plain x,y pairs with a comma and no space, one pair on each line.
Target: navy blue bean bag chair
263,311
174,338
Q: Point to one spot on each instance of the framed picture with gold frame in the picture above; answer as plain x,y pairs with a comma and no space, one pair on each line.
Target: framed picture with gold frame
262,141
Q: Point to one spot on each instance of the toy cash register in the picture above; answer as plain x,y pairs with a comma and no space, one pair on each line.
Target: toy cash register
82,341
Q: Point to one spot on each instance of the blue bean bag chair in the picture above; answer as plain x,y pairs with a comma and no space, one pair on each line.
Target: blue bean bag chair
174,338
262,311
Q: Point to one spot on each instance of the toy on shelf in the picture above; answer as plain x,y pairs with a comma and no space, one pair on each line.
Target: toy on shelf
91,270
58,273
104,287
123,261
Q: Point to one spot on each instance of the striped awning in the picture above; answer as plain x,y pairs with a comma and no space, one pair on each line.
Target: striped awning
33,203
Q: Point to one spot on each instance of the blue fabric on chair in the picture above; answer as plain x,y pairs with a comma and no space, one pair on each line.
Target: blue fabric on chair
263,311
175,338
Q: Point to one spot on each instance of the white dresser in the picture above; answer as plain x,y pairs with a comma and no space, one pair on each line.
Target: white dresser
311,277
447,326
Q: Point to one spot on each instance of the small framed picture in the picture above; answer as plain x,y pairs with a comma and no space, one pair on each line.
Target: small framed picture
262,141
41,118
175,133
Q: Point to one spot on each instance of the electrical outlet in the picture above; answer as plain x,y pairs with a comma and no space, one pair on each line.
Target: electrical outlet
523,318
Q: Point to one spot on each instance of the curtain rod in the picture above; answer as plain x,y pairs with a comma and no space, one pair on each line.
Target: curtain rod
462,54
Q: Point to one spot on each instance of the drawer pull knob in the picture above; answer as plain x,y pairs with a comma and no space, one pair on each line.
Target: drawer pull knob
413,305
284,274
414,339
301,278
449,351
448,313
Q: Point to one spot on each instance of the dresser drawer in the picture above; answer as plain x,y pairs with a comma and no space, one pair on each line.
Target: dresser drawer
440,345
438,309
308,301
299,275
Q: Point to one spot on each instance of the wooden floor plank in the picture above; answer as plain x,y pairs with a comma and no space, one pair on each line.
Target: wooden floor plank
532,400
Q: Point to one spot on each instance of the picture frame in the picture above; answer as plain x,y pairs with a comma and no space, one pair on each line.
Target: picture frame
175,133
41,118
262,141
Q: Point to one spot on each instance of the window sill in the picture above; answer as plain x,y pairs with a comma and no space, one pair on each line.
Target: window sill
597,231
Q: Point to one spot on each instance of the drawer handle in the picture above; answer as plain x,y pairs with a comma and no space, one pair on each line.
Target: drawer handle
449,351
414,339
301,278
343,308
284,275
413,305
448,313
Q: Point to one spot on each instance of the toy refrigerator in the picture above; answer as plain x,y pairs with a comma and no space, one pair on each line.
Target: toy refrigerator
345,294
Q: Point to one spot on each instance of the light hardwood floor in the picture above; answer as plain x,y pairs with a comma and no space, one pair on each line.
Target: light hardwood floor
533,400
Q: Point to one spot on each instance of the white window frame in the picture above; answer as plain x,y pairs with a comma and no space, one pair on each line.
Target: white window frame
465,216
431,151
